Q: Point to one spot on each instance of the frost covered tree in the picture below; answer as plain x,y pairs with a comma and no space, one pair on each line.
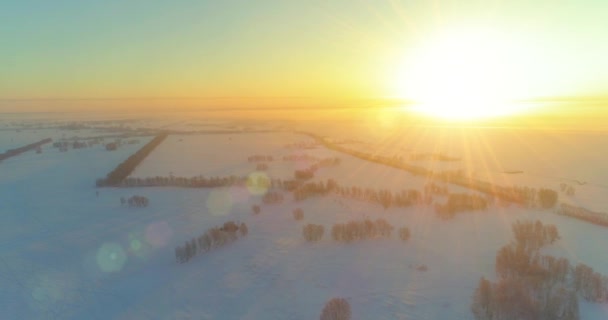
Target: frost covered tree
336,309
256,209
482,300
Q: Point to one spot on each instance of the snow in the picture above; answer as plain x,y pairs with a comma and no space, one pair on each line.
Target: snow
66,253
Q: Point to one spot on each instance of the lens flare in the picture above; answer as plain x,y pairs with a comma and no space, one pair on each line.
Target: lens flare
258,183
111,257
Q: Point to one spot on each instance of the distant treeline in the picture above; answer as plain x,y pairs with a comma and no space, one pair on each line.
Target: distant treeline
518,195
124,169
598,218
432,156
303,190
384,197
20,150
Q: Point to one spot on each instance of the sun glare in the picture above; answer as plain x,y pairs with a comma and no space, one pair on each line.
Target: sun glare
460,76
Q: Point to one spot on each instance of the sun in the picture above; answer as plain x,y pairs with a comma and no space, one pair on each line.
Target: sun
460,76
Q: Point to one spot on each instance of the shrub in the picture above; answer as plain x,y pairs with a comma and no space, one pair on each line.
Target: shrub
547,198
298,214
256,209
404,233
138,201
361,230
313,232
336,309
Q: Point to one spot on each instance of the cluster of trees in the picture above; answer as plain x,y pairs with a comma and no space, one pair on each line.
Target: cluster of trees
328,162
211,239
459,202
534,235
135,201
512,298
124,169
79,145
311,189
530,286
300,157
256,209
404,233
298,214
361,230
20,150
309,173
301,145
304,174
535,286
567,189
192,182
384,197
112,146
313,232
435,189
260,158
591,285
272,197
547,198
63,146
515,261
432,156
336,309
529,197
598,218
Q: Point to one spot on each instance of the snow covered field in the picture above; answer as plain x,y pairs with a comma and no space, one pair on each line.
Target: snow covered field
66,253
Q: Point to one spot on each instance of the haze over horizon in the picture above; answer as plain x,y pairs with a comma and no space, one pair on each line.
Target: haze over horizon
68,54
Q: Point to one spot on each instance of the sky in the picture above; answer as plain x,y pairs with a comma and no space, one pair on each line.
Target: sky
230,52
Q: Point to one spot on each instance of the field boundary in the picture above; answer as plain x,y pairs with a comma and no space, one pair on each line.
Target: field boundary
15,152
125,168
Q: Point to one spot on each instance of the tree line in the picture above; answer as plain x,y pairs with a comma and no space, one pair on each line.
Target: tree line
459,202
355,231
598,218
15,152
384,197
313,232
524,196
212,239
124,169
135,201
272,197
361,230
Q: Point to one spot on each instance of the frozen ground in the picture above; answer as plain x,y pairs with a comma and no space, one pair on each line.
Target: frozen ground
66,253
